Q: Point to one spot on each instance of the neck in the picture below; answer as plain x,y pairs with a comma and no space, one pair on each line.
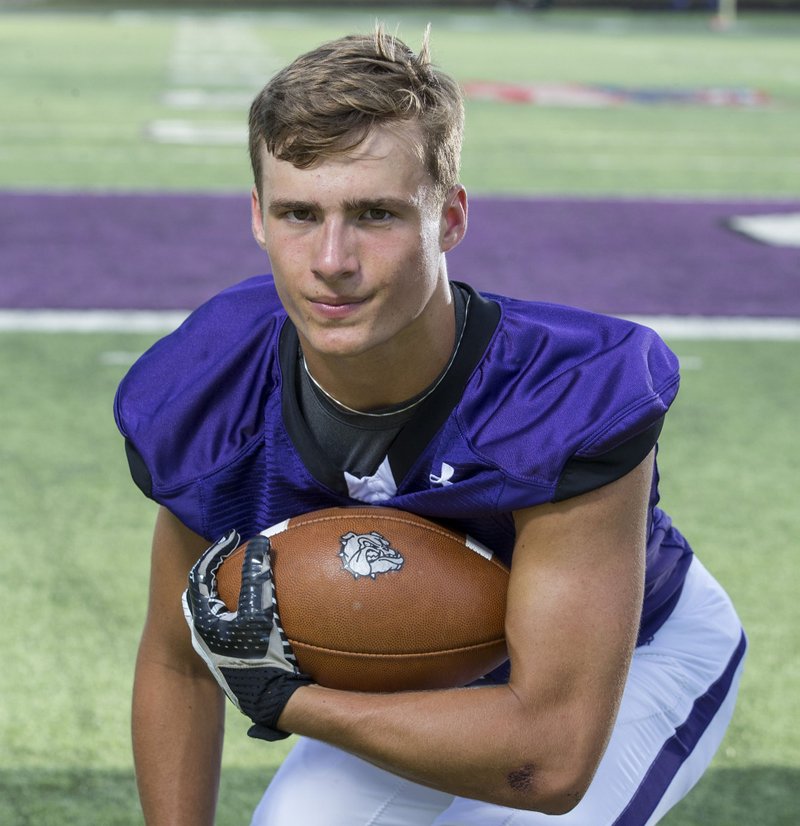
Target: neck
374,384
388,375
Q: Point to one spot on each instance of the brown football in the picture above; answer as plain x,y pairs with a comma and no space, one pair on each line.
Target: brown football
377,599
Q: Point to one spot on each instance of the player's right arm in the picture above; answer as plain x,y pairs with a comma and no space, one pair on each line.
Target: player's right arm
178,708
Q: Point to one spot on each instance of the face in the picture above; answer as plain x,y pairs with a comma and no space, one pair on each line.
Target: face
356,244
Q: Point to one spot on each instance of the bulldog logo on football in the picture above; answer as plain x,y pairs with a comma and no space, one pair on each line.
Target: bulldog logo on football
368,554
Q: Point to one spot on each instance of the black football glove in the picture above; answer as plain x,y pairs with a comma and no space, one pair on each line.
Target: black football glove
245,649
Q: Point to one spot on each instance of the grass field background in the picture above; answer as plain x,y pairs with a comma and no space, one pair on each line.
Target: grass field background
80,91
80,94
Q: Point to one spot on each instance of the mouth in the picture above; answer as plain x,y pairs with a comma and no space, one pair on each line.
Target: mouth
337,300
336,306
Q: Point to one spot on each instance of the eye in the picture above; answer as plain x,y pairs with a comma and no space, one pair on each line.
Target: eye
377,214
299,216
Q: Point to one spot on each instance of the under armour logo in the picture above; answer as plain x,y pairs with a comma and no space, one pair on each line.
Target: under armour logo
444,479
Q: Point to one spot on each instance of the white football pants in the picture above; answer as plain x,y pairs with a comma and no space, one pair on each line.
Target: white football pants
677,704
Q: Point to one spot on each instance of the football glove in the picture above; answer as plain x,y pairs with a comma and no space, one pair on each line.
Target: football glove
246,650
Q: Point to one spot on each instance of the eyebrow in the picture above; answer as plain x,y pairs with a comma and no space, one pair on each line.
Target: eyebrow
285,205
357,205
391,204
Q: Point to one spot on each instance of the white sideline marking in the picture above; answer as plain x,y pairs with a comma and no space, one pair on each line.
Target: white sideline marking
194,133
779,230
214,64
219,53
149,321
90,321
205,99
728,328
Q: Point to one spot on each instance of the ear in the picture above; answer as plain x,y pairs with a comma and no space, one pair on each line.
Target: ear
454,218
257,220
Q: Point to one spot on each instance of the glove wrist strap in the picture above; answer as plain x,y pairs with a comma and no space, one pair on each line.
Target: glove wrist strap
262,694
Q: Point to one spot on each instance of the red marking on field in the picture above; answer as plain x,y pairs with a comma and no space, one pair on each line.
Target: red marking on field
582,95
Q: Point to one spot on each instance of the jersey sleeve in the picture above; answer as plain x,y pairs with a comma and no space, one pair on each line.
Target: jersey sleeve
579,400
193,403
584,473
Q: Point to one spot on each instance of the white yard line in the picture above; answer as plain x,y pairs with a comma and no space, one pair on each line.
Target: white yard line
733,328
90,321
197,134
219,52
215,65
157,321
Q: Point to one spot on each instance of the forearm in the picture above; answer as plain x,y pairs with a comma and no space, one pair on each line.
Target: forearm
481,743
178,725
573,610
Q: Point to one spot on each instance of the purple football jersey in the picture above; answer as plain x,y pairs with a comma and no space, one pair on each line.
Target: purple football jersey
541,403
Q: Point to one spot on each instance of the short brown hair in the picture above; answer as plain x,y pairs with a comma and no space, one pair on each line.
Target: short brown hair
326,102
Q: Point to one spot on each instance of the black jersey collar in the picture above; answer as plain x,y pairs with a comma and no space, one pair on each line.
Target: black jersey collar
483,316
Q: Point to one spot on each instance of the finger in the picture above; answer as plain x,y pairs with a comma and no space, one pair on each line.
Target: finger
255,593
203,571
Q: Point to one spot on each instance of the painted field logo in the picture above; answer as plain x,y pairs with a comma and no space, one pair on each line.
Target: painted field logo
368,554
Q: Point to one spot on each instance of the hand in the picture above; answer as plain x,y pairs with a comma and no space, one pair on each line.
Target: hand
246,650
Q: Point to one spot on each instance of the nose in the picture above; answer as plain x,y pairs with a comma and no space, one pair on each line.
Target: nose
334,255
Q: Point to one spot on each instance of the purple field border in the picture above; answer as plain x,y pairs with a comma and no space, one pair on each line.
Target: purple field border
621,256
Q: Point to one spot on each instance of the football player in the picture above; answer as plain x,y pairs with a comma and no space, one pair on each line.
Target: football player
358,372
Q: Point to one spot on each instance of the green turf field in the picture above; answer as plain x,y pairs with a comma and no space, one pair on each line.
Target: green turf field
75,558
80,92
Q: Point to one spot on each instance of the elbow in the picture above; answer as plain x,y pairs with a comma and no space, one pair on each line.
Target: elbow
555,785
552,759
564,799
531,790
571,784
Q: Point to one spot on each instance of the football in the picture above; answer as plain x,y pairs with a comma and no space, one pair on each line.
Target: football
377,599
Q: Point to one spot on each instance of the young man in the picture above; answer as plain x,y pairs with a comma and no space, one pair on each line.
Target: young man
359,373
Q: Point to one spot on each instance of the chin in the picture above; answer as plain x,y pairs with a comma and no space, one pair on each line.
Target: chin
346,347
336,346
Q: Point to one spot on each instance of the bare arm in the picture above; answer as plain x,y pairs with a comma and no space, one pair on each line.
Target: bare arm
178,709
573,614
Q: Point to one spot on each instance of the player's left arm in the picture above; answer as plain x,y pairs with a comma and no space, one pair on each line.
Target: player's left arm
574,604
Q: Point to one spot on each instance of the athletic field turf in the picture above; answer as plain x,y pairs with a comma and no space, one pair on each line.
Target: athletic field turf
610,183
